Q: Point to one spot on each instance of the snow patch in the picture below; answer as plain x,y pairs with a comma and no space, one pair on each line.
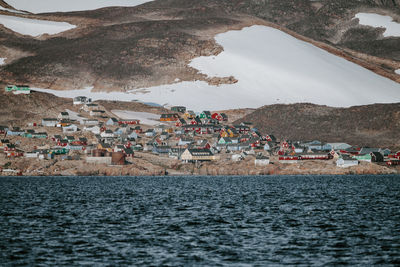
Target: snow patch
376,20
34,27
46,6
2,61
271,67
397,71
144,117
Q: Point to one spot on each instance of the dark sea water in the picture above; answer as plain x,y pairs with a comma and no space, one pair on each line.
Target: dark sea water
210,221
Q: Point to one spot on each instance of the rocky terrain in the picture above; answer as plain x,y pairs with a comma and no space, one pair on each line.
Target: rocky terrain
123,48
371,125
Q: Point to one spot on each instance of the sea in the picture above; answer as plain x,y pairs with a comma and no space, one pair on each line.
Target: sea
200,221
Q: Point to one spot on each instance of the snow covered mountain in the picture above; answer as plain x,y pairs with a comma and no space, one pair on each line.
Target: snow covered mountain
205,54
46,6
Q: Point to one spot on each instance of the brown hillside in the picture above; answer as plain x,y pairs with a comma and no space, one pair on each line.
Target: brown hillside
375,125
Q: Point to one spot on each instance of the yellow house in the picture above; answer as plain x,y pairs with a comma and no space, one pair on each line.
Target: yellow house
189,114
197,155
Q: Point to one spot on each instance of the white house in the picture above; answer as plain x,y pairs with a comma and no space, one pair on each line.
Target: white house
261,161
70,128
345,162
80,100
49,122
107,134
112,121
94,129
90,122
63,116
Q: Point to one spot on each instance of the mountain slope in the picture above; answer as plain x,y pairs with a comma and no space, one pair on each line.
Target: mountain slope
147,46
371,125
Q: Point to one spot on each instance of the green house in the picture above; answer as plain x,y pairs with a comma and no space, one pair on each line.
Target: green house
60,151
224,141
205,115
365,157
18,89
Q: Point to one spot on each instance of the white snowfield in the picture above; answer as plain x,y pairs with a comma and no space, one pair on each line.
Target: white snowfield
272,67
376,20
397,71
144,117
34,27
2,61
47,6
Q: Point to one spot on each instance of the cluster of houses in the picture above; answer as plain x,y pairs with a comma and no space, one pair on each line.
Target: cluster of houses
96,137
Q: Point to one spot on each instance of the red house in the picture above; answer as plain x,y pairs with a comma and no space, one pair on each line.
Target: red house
129,122
217,116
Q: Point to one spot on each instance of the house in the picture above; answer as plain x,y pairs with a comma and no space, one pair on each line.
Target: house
3,129
70,128
18,89
89,122
261,160
112,122
193,155
161,149
316,156
224,116
196,121
270,138
377,157
137,129
92,129
188,115
107,134
169,117
150,133
314,145
183,141
59,150
16,131
205,115
80,100
289,158
179,109
128,122
363,157
164,136
63,116
49,122
129,152
225,141
339,146
216,116
89,107
346,161
181,122
175,152
242,129
41,135
97,113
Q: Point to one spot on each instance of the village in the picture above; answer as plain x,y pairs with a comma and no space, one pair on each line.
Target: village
91,138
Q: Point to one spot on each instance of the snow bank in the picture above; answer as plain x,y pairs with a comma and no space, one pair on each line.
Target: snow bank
34,27
144,117
376,20
272,67
2,61
44,6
